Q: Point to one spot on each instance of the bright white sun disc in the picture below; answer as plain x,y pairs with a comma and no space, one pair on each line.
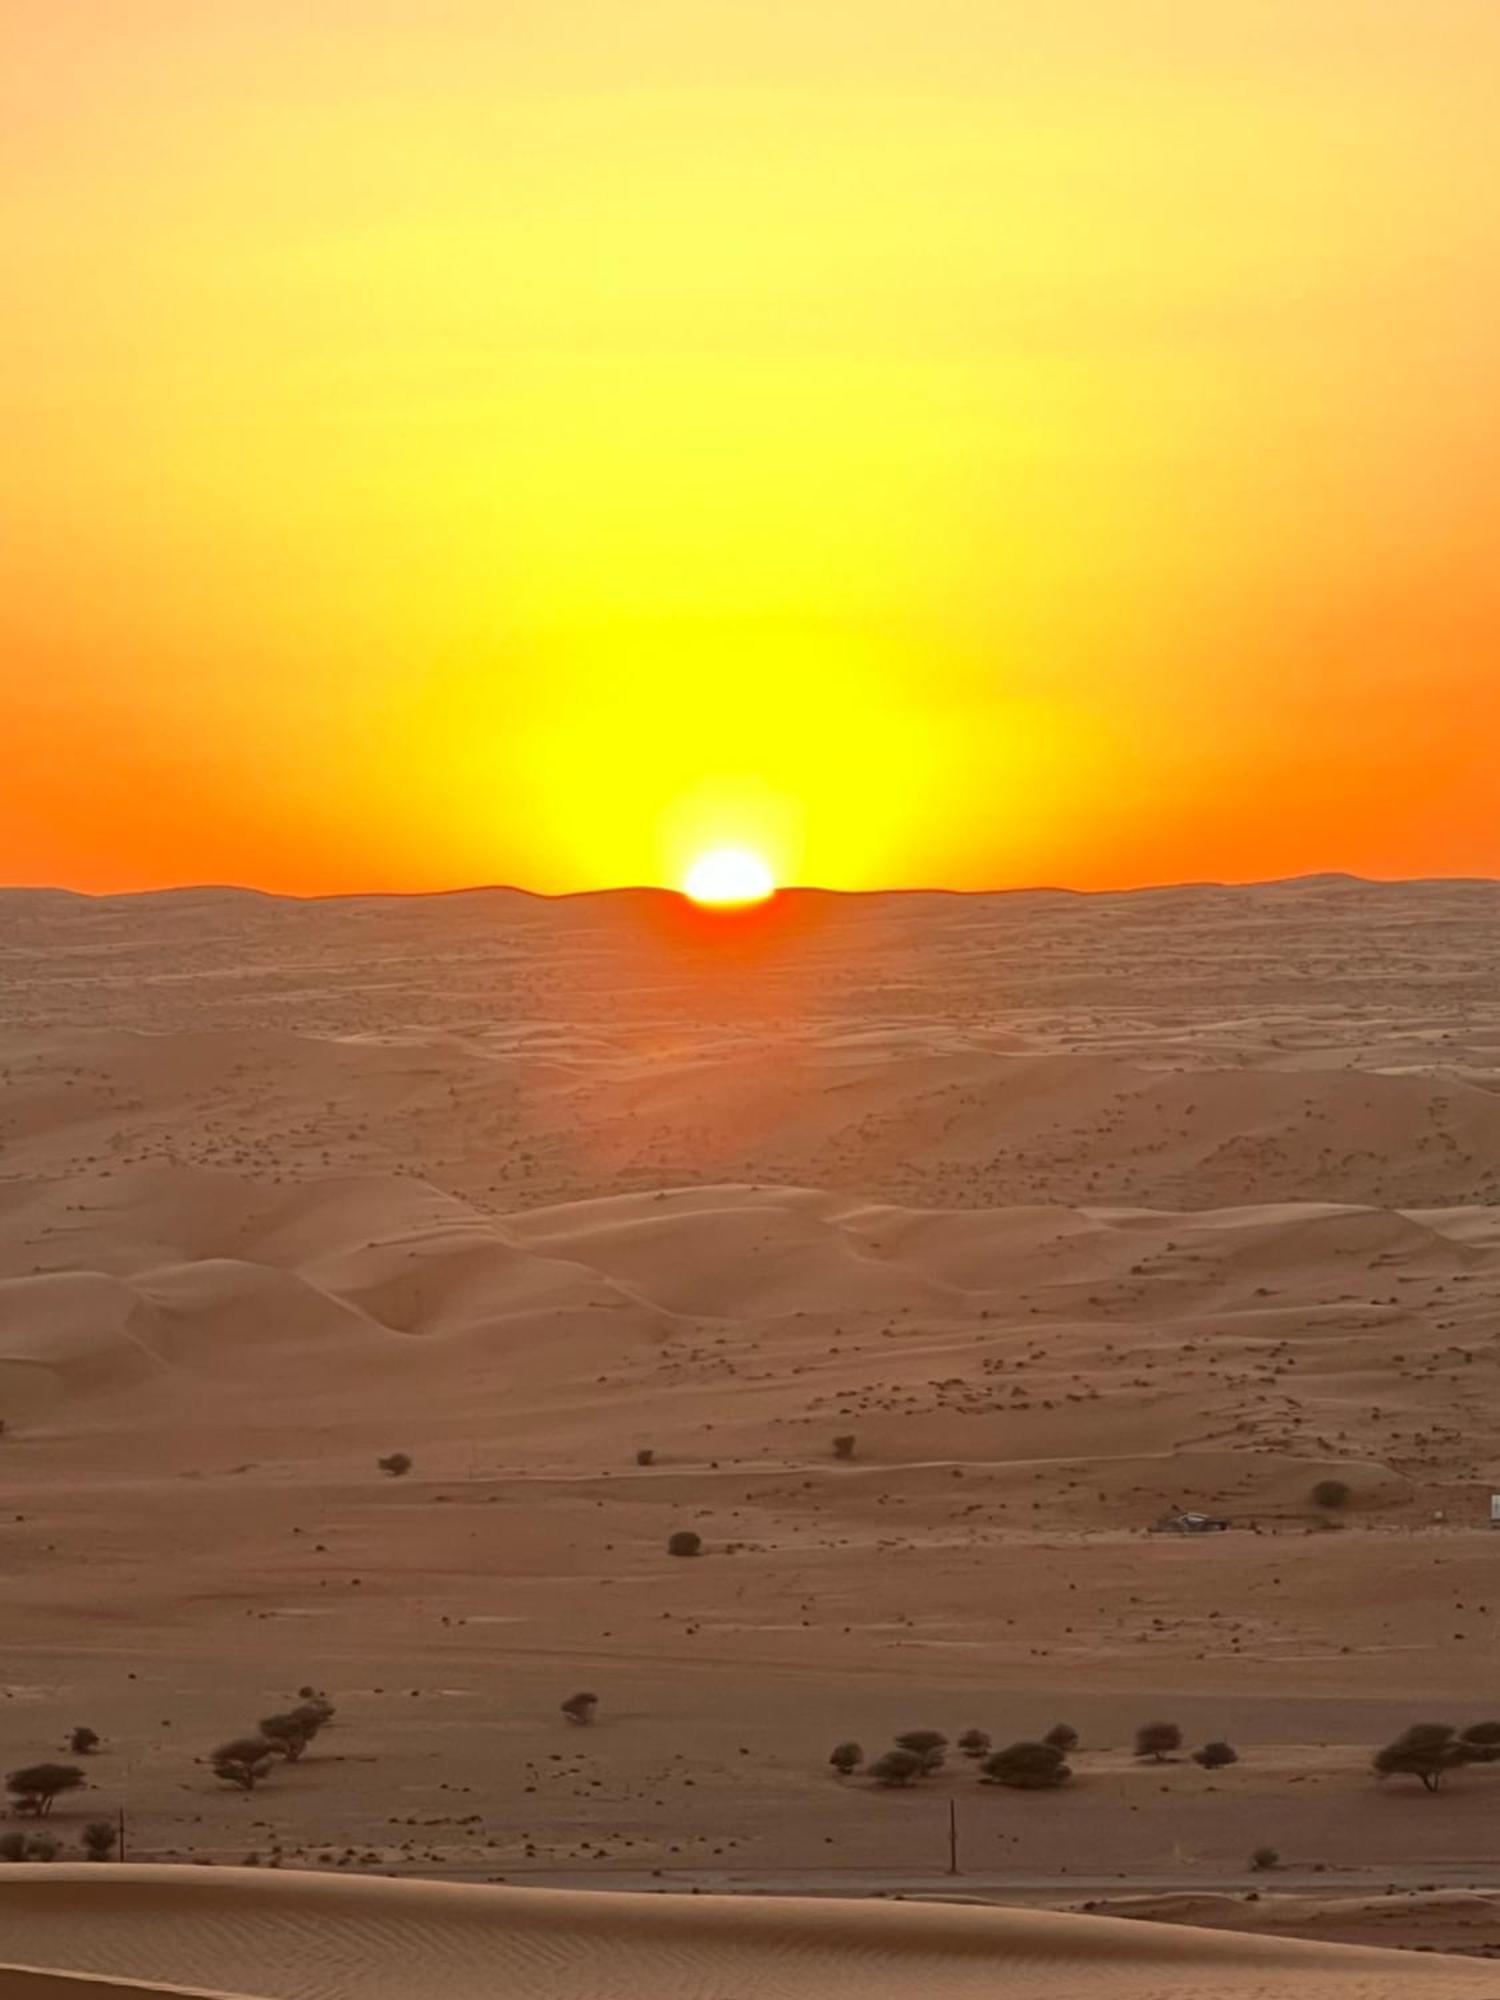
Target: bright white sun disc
729,875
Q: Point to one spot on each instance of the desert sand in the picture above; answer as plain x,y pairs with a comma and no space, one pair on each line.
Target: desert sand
1070,1209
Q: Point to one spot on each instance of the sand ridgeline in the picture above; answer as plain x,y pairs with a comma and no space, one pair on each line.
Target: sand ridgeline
308,1937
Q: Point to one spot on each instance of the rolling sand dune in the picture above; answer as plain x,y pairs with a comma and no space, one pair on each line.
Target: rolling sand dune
1069,1210
305,1938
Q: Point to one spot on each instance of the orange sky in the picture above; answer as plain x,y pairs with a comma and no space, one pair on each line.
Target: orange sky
930,441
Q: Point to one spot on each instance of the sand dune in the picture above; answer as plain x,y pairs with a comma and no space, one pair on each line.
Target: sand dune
302,1937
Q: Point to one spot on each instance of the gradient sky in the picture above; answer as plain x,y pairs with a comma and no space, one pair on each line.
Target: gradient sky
932,441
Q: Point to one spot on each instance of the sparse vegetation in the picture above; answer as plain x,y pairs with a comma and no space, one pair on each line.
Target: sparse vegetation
974,1742
1331,1493
896,1767
83,1742
244,1761
1158,1740
34,1787
98,1839
396,1463
580,1708
1027,1767
846,1757
1214,1756
685,1543
930,1746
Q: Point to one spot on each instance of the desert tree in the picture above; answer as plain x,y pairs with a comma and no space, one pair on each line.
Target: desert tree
974,1743
1426,1751
396,1463
34,1787
580,1707
83,1742
685,1543
1481,1741
1062,1736
846,1757
289,1734
931,1745
1264,1858
1330,1494
645,1456
1027,1767
1214,1756
243,1761
843,1446
98,1839
1157,1740
12,1846
42,1847
896,1767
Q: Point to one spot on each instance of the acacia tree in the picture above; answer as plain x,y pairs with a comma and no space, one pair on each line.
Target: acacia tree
1027,1767
1214,1756
974,1742
1427,1751
1062,1736
34,1787
1157,1740
929,1745
1481,1741
896,1767
243,1761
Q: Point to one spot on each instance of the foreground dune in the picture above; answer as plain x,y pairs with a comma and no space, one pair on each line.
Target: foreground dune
237,1931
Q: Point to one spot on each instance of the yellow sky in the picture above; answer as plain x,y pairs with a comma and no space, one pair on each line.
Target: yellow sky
952,442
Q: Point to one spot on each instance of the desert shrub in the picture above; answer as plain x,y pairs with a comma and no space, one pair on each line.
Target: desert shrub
35,1786
846,1757
930,1745
313,1711
1330,1493
843,1447
243,1761
1481,1742
1157,1740
580,1707
396,1463
12,1847
896,1767
974,1742
1062,1736
645,1456
1264,1857
1214,1756
1027,1767
685,1543
99,1839
42,1847
1426,1751
83,1742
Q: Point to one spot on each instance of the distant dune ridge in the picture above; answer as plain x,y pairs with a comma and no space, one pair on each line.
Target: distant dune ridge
304,1937
1069,1210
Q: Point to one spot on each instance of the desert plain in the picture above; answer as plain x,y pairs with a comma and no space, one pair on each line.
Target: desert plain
611,1216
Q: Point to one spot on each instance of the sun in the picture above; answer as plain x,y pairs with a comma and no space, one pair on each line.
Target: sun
729,875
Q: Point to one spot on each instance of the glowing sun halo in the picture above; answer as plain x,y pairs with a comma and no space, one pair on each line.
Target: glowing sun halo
729,875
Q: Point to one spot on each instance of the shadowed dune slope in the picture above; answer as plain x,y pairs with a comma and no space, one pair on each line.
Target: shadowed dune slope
307,1937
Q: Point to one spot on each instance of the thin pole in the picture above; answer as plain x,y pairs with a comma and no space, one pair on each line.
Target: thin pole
952,1836
122,1833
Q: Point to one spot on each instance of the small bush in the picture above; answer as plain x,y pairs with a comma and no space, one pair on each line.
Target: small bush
291,1733
99,1838
35,1786
83,1742
1331,1493
1027,1767
843,1447
396,1463
12,1847
896,1767
42,1847
1264,1858
1062,1736
846,1757
685,1543
1214,1756
580,1708
1157,1740
975,1742
645,1456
